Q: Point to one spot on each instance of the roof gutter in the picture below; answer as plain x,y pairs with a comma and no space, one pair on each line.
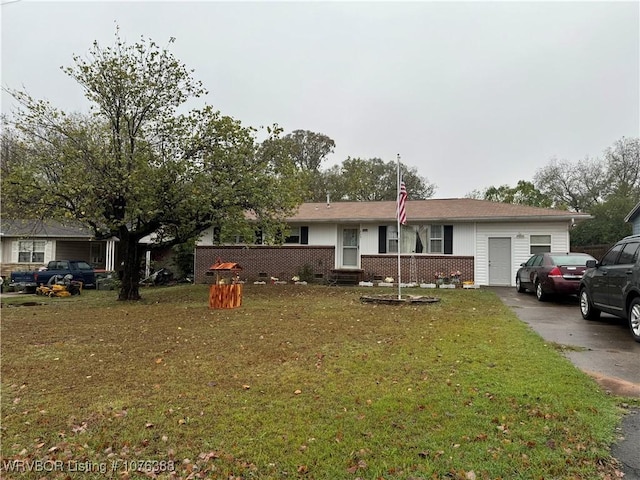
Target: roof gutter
541,218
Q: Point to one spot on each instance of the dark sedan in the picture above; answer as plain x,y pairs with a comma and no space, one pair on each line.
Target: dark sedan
550,274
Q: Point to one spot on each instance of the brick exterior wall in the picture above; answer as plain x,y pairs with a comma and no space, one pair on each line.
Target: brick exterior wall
282,262
286,261
424,269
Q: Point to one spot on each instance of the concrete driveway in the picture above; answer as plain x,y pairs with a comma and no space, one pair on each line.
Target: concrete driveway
606,351
604,348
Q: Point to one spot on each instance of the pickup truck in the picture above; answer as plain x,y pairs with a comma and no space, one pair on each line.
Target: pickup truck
29,281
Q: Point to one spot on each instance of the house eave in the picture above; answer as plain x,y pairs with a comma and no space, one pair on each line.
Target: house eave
386,220
633,213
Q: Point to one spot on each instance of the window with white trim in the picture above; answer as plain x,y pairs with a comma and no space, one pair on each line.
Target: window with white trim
31,251
436,239
539,244
392,239
238,240
294,235
416,239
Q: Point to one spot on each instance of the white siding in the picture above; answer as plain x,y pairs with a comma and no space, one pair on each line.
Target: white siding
369,239
50,251
5,251
206,239
520,246
464,239
323,234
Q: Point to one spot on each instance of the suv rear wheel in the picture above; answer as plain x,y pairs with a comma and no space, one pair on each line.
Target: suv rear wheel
634,318
588,311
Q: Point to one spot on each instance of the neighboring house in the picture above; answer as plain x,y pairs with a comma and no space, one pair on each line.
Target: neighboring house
634,219
31,244
485,241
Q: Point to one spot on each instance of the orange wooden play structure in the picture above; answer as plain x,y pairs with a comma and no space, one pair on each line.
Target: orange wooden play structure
226,290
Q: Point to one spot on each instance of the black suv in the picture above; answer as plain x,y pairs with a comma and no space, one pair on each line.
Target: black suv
613,284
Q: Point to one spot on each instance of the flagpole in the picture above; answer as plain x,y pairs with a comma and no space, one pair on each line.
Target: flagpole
398,219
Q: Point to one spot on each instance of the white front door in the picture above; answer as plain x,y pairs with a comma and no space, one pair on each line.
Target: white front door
350,255
500,261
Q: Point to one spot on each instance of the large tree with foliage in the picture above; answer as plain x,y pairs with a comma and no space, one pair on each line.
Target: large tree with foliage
575,186
358,179
524,193
308,151
607,187
623,168
607,225
137,165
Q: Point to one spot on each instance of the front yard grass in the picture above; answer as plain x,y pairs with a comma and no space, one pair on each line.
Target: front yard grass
300,382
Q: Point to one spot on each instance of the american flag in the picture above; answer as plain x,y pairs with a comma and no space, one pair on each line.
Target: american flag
402,200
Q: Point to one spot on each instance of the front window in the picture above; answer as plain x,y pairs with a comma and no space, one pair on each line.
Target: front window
392,239
31,251
540,244
294,235
97,253
436,239
416,239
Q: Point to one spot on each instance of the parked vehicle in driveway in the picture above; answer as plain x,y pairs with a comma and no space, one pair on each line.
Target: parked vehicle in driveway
28,281
612,285
549,274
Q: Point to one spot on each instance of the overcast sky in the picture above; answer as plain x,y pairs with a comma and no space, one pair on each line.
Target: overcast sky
472,94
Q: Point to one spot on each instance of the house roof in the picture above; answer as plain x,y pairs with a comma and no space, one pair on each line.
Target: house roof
432,210
43,229
633,213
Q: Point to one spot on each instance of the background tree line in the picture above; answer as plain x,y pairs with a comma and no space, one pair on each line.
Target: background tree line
355,179
607,187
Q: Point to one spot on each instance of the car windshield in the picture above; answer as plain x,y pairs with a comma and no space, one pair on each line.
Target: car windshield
570,259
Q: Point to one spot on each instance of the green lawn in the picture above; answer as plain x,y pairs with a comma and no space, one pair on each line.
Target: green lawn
300,382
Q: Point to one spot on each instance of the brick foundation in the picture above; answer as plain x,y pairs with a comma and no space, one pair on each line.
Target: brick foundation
284,262
258,262
424,269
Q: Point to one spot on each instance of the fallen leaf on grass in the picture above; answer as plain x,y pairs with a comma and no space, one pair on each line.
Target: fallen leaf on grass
79,428
361,465
209,455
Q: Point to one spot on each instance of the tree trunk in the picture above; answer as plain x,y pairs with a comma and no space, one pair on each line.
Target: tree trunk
130,281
